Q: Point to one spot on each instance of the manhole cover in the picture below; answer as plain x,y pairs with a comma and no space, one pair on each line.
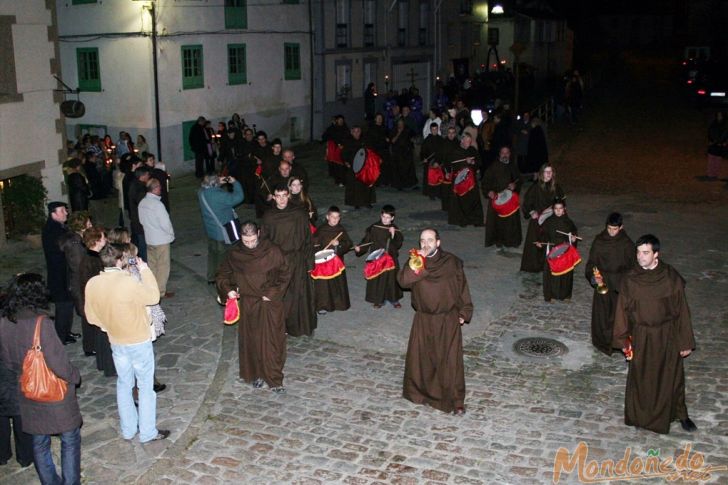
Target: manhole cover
539,347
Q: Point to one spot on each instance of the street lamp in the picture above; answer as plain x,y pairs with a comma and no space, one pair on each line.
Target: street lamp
497,9
155,68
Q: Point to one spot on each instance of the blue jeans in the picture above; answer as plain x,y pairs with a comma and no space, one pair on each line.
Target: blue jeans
136,361
70,458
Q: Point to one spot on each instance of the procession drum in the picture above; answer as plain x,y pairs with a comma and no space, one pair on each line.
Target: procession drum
563,258
464,182
506,203
435,176
367,166
333,153
328,265
379,261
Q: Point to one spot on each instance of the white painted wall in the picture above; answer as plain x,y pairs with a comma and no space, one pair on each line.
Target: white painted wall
28,128
127,103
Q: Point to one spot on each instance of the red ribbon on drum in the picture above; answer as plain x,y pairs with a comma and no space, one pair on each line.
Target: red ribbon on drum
378,262
328,265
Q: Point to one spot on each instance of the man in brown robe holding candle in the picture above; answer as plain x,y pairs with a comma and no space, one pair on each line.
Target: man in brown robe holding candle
652,325
611,256
332,291
287,227
434,371
257,273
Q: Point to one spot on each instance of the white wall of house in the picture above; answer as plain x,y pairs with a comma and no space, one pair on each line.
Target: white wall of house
126,101
31,141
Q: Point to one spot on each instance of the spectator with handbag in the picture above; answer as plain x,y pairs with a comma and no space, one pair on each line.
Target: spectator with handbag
218,197
23,321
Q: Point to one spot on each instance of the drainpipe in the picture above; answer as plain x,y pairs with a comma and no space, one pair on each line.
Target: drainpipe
155,70
311,68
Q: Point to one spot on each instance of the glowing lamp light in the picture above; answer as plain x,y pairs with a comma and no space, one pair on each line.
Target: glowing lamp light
477,116
701,92
690,81
497,9
503,61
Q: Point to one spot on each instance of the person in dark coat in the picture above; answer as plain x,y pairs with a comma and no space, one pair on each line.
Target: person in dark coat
356,193
288,228
558,286
611,256
332,291
449,149
429,160
653,327
538,151
198,139
57,270
501,175
336,133
370,99
71,244
536,206
465,208
383,287
257,273
160,175
10,419
22,312
94,239
78,188
404,175
137,192
434,372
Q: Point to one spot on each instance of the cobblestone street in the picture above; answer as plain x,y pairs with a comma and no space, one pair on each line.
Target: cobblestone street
343,420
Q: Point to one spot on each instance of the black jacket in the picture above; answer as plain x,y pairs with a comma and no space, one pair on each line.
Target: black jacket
55,261
39,417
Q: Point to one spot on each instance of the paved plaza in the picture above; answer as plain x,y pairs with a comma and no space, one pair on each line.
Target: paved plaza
343,420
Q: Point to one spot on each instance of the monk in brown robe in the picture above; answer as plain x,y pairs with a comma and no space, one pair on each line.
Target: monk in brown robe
257,273
558,287
539,198
337,132
332,294
383,235
356,193
652,323
612,254
288,228
434,372
501,175
465,209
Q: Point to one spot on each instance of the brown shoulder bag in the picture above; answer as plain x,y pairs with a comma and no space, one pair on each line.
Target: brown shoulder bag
38,382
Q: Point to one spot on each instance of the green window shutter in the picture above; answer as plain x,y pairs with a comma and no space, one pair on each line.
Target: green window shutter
236,14
292,61
193,75
82,2
89,69
186,148
237,70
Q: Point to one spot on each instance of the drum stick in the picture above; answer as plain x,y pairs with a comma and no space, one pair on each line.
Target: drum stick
265,185
428,158
332,241
569,234
385,227
463,160
365,244
545,243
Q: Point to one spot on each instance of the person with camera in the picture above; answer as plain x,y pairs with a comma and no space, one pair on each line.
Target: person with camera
218,197
116,302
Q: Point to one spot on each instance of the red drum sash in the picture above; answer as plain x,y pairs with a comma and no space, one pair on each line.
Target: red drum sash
434,176
333,153
563,258
464,182
375,268
312,228
508,208
369,174
328,269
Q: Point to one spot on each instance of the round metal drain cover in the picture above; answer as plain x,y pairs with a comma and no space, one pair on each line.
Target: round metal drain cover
539,347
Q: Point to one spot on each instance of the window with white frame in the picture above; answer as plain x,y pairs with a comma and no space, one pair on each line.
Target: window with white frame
343,80
423,33
370,72
402,20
